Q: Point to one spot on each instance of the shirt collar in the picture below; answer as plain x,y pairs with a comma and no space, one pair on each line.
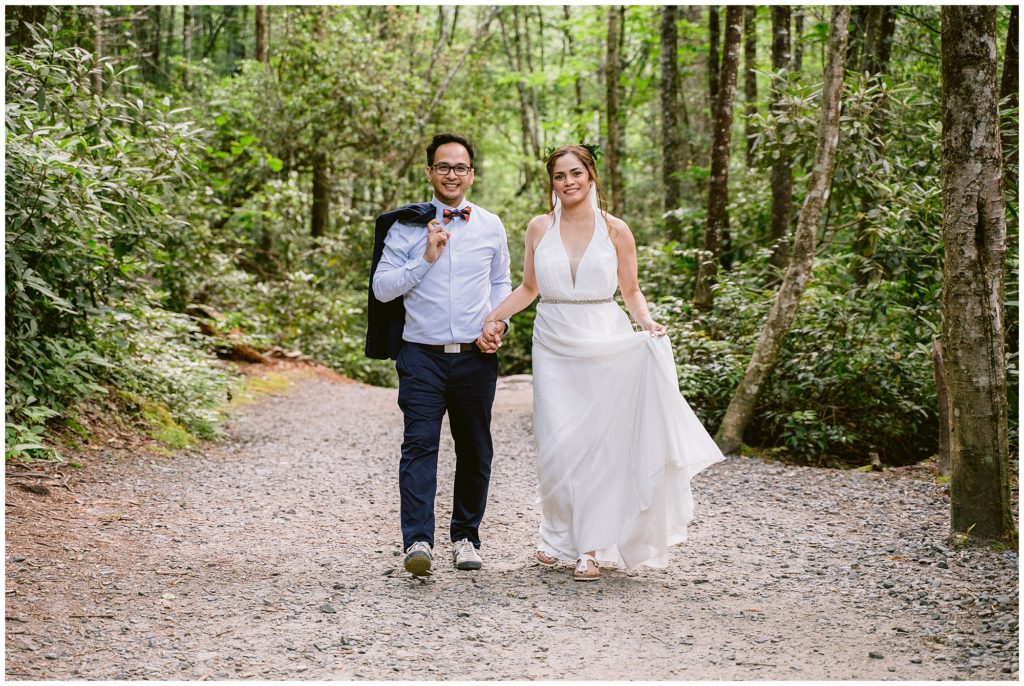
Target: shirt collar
441,206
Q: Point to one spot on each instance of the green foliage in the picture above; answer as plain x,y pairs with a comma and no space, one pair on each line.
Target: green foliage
851,377
121,211
86,181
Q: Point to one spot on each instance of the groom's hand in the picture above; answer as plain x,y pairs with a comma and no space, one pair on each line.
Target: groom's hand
437,239
490,338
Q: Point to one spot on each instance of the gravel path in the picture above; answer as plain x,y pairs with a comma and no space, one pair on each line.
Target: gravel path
275,555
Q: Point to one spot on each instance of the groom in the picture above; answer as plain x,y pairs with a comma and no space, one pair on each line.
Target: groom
449,275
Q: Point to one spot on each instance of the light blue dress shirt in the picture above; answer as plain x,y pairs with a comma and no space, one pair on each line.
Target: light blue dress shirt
447,301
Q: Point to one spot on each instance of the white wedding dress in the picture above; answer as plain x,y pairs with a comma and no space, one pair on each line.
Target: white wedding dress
617,443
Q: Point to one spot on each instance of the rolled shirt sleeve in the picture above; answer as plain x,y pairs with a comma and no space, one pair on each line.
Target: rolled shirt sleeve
399,271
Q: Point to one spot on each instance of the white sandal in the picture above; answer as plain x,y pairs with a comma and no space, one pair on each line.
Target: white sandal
540,555
582,571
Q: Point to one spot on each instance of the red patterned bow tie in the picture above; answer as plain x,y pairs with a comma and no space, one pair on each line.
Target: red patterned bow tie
452,214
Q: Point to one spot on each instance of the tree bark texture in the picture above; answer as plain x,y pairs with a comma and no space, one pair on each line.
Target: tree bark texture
782,167
974,237
783,311
262,35
749,75
718,186
713,38
798,45
1011,60
1008,88
943,399
671,143
613,74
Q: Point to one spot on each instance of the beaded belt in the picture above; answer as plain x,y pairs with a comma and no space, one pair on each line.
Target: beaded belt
577,302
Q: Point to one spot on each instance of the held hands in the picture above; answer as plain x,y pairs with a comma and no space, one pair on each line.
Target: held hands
490,339
437,239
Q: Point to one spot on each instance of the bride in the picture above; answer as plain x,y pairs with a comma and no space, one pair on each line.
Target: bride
617,443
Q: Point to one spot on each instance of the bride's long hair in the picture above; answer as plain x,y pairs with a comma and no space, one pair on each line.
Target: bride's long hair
588,162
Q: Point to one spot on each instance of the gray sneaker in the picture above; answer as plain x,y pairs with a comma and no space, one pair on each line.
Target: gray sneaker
465,555
419,559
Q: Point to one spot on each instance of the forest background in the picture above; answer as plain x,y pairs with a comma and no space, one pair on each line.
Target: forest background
189,183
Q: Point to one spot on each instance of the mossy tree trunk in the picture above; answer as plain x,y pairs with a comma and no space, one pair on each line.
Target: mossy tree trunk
974,237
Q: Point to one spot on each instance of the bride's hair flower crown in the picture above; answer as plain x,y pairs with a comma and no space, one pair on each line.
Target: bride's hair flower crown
592,148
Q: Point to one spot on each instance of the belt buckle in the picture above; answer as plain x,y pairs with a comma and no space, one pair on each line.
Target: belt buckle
453,347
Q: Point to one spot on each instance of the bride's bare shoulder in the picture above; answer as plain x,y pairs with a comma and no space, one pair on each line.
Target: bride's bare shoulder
540,223
537,227
616,227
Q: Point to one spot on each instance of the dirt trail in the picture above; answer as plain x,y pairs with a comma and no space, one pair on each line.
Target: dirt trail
275,555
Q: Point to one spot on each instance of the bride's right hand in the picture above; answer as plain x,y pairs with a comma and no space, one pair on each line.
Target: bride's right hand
494,329
652,327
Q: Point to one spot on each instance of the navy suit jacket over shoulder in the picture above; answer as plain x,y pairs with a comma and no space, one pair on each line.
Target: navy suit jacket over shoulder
385,321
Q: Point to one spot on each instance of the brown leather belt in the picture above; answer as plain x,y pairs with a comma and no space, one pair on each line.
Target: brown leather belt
449,348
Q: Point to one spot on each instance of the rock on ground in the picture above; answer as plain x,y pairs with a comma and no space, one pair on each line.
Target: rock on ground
275,555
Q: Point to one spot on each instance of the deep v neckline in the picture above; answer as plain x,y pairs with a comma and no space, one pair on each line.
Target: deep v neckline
579,260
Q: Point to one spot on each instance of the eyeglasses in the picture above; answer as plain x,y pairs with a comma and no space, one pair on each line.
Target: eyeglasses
459,169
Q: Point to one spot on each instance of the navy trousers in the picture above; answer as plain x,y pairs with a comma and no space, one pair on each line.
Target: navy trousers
431,383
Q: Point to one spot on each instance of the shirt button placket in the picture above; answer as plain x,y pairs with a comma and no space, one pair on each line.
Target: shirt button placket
451,286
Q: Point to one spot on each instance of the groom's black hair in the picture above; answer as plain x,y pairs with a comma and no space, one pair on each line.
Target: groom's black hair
442,138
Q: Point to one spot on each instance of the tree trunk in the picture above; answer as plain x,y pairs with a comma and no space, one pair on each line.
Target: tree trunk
262,35
782,168
860,18
974,237
1009,84
798,44
671,147
321,195
943,399
529,118
18,18
883,31
718,187
1008,88
877,48
570,49
713,37
186,41
169,37
155,41
780,318
749,75
613,89
96,73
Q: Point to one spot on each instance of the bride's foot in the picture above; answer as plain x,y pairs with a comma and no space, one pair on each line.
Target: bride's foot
587,568
545,559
